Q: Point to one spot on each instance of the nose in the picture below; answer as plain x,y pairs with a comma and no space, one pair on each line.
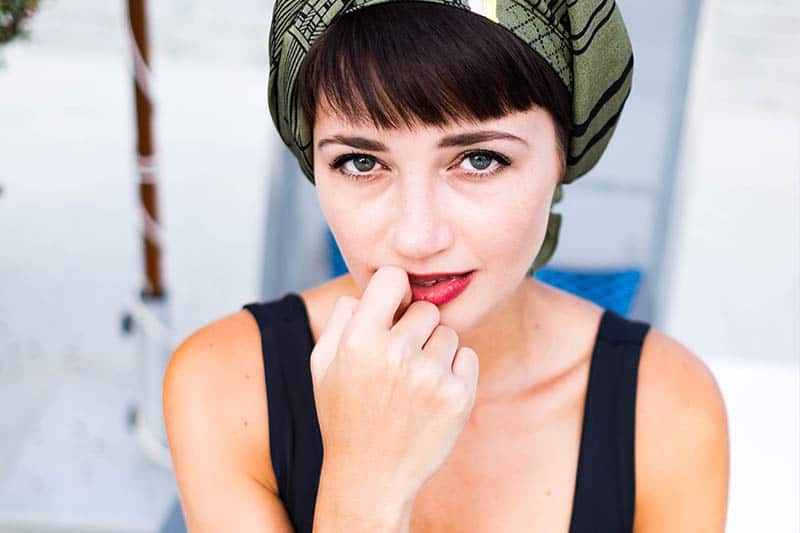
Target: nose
420,229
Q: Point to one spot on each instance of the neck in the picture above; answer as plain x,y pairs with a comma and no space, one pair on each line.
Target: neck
510,342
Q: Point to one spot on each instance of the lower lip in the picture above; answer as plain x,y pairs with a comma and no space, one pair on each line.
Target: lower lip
442,292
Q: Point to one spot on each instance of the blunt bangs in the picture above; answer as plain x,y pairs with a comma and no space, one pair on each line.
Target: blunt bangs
401,64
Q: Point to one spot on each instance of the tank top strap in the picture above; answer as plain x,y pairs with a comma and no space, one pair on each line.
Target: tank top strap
295,438
605,484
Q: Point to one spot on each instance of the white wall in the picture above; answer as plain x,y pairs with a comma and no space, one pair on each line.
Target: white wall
733,284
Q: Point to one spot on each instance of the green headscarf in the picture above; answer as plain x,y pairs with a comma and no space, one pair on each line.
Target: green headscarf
584,41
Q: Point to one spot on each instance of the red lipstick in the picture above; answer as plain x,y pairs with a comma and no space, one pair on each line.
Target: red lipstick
440,287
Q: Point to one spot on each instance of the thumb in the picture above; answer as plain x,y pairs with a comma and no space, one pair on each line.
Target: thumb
328,343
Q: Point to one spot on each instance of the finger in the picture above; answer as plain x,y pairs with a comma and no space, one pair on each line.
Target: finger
416,325
442,346
378,305
465,366
403,305
328,343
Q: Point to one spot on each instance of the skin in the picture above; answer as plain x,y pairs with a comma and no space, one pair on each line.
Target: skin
513,466
427,213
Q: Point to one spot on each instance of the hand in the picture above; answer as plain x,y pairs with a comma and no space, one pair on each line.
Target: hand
391,398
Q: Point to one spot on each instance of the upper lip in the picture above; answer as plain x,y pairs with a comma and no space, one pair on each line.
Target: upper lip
434,276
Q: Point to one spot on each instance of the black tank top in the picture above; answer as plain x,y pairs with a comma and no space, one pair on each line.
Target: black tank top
604,491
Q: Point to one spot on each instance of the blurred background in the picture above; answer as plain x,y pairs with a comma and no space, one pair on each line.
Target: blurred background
691,222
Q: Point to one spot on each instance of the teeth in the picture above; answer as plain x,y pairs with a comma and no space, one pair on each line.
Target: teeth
434,282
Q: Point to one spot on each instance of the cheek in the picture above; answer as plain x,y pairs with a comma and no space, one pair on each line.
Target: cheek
520,231
354,225
512,226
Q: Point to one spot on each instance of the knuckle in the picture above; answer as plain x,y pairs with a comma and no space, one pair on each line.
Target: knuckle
433,309
426,308
397,361
424,373
395,353
351,344
446,333
399,351
457,394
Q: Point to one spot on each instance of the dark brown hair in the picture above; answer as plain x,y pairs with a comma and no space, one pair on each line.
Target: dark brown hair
405,63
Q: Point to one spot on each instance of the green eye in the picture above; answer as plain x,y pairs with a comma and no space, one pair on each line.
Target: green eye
363,163
480,161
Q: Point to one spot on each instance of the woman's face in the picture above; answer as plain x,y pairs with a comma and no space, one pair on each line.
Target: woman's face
464,197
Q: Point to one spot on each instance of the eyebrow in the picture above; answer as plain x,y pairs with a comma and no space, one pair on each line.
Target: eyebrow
459,139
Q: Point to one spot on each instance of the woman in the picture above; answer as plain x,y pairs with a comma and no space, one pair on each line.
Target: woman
448,389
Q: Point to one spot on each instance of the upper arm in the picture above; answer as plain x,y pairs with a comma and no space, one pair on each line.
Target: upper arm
682,447
215,413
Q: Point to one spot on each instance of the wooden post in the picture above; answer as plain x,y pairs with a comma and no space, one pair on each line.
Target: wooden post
154,287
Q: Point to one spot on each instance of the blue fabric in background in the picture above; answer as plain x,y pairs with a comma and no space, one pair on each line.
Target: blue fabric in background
609,288
337,263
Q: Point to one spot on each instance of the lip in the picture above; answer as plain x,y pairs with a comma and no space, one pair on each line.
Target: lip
442,292
436,275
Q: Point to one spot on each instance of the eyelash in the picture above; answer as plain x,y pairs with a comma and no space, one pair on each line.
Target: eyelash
342,159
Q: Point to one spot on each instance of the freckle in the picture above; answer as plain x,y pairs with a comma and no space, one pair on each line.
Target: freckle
547,493
245,423
247,376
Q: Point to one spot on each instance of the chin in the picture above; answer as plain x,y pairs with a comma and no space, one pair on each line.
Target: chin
463,313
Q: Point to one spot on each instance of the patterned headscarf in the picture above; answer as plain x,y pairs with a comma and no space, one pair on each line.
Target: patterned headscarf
584,41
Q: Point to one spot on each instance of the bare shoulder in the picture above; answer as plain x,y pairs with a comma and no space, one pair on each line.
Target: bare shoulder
216,376
682,449
220,370
675,380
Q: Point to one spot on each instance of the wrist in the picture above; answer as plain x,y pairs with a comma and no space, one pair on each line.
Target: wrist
360,500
